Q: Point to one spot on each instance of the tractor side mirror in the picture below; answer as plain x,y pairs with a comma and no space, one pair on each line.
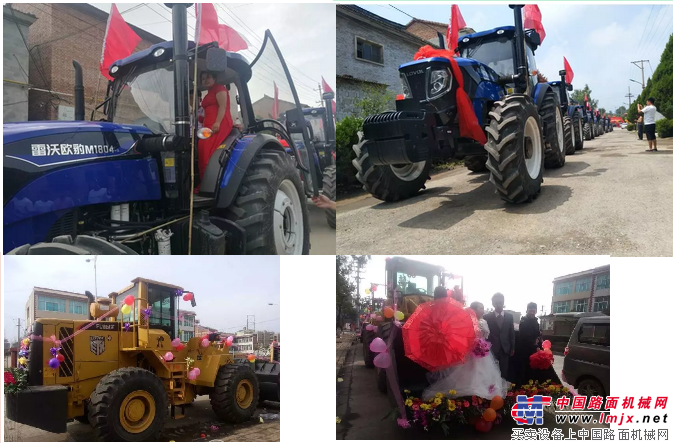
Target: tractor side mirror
216,60
534,38
569,87
328,96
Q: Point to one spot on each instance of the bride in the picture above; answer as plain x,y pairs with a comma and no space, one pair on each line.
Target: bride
478,376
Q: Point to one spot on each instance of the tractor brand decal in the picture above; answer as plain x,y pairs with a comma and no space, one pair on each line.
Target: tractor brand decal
97,344
46,150
113,326
409,74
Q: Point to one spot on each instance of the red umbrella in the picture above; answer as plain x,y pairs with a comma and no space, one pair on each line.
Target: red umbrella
439,334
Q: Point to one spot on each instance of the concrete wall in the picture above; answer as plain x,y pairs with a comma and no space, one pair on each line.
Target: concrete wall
15,62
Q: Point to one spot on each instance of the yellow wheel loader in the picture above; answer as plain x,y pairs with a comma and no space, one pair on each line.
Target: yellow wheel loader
115,372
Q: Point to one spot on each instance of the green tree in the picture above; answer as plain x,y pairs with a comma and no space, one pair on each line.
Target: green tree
345,289
659,86
578,96
375,100
621,111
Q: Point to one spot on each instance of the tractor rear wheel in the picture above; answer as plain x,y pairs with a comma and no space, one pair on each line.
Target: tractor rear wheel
587,131
577,129
329,191
235,395
476,163
271,207
128,404
554,139
515,149
389,183
568,135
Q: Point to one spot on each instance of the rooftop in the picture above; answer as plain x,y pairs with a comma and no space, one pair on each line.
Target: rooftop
58,292
598,270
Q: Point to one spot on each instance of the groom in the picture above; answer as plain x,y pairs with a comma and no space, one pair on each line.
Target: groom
501,325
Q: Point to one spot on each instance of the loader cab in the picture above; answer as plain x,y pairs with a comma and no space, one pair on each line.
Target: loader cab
411,277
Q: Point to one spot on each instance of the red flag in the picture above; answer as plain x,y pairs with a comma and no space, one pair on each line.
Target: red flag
275,109
325,86
532,19
119,42
231,40
455,25
569,71
208,30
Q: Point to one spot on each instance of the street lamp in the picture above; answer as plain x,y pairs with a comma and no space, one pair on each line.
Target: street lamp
95,274
274,304
637,82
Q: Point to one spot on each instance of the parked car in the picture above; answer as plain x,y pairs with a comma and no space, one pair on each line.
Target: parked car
587,357
623,125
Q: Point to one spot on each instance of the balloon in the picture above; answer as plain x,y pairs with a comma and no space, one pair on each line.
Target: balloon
197,371
180,347
126,309
175,342
191,375
60,358
399,315
128,300
251,358
489,414
382,360
205,342
230,340
546,344
370,327
482,425
367,291
188,296
23,361
53,363
388,312
26,341
168,356
497,402
374,288
378,345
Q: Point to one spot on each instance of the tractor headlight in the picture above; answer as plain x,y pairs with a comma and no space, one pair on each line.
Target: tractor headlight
406,90
439,82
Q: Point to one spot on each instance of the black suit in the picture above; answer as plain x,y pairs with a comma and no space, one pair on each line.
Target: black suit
502,339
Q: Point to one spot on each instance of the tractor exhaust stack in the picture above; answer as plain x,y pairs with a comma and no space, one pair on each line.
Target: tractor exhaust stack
79,91
521,80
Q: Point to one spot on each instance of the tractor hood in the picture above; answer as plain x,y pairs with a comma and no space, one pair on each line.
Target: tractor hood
13,132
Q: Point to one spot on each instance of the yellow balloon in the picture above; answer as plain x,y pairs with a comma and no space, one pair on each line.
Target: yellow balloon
26,341
399,315
367,291
22,361
126,309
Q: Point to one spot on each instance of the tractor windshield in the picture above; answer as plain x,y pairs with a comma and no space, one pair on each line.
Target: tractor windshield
146,97
318,126
496,54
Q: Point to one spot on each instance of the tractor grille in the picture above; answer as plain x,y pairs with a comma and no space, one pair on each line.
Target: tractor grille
65,369
66,225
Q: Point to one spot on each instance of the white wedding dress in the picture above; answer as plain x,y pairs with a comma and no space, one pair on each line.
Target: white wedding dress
478,376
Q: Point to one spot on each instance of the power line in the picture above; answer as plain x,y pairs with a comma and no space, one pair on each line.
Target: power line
411,16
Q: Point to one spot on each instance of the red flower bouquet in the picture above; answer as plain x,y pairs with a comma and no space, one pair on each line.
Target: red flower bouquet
9,378
481,348
541,360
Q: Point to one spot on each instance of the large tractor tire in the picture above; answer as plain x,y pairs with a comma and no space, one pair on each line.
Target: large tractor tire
554,139
384,334
515,149
80,245
271,207
568,135
128,404
578,131
587,132
329,191
476,163
389,183
235,395
367,354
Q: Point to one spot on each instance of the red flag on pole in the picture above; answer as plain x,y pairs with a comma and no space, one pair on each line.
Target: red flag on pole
231,40
208,30
569,71
455,25
275,109
119,42
532,19
325,86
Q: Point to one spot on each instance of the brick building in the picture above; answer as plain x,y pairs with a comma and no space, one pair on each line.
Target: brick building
15,61
64,32
264,105
427,30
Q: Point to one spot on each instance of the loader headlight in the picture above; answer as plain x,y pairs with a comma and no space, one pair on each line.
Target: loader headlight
439,82
406,90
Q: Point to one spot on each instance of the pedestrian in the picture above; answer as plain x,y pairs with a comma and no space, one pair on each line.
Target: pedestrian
640,127
649,112
501,326
440,292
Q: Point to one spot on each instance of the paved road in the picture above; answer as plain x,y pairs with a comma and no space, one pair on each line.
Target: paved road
612,198
199,420
323,238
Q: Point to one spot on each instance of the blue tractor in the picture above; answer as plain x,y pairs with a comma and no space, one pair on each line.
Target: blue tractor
572,115
125,184
521,117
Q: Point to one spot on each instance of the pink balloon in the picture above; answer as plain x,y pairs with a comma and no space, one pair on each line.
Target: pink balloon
371,328
546,344
175,342
205,342
382,360
378,345
230,340
191,375
197,371
168,356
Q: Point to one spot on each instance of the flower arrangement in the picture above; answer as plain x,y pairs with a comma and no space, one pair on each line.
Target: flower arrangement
16,380
541,360
481,348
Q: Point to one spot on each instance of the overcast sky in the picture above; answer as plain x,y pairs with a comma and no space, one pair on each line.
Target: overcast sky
226,288
305,34
522,279
599,41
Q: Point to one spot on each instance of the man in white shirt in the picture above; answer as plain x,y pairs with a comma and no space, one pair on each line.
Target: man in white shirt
648,120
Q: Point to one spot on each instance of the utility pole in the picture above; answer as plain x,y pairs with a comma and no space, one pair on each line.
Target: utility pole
357,282
247,322
642,69
629,95
322,103
18,330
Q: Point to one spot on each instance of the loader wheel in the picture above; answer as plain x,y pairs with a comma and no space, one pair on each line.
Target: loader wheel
554,139
271,207
389,183
235,395
568,135
128,404
515,150
329,191
367,355
80,245
476,163
579,133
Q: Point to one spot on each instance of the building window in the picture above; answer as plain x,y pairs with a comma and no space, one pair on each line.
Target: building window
563,288
560,307
595,334
601,303
370,51
603,281
189,321
186,336
50,304
77,307
583,285
580,305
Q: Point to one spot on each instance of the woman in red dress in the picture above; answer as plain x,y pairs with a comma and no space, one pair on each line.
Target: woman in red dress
218,118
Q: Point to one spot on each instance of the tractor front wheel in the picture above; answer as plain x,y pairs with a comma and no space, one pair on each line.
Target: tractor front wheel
128,404
554,139
329,191
476,163
235,395
568,135
386,182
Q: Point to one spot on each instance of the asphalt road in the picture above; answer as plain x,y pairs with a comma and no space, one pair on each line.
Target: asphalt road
611,198
322,236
